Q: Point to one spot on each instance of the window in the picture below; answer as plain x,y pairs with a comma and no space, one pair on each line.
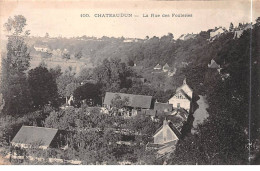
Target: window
178,105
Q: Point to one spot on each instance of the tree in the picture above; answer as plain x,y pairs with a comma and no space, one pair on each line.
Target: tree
70,88
66,56
62,82
231,27
131,63
78,55
47,35
219,141
88,91
14,86
42,86
257,21
119,102
112,75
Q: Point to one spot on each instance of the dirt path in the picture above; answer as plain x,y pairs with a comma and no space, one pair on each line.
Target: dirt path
201,113
4,161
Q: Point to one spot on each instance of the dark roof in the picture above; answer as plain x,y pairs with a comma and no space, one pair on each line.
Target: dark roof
181,112
31,135
162,107
139,101
149,112
182,92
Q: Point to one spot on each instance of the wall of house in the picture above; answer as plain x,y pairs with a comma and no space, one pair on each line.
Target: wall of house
217,32
164,136
184,103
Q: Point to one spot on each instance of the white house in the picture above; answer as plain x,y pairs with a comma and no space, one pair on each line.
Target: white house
166,134
166,68
157,67
172,72
41,48
187,36
182,98
217,32
187,90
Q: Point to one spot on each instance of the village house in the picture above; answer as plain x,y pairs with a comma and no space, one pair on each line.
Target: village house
41,48
172,72
216,32
157,67
166,133
164,139
182,98
162,107
240,30
187,36
31,136
137,79
166,68
213,65
151,113
184,64
135,102
180,113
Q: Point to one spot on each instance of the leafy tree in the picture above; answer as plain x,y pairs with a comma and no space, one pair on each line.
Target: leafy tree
56,72
62,82
118,102
257,20
42,86
14,86
66,56
112,75
78,55
221,141
131,63
70,88
231,27
88,91
85,75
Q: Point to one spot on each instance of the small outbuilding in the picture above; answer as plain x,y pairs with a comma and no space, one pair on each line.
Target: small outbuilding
31,136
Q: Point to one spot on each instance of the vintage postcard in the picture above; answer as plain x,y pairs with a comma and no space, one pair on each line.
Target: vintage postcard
130,82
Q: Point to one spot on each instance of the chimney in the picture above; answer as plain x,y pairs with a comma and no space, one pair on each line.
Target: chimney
165,122
184,81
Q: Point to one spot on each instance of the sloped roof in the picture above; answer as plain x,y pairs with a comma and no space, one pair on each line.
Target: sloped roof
162,107
32,135
181,112
172,127
182,92
181,87
189,36
149,112
139,101
158,66
166,66
213,64
41,46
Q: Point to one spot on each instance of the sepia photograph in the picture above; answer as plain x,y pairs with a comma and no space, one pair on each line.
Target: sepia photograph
129,82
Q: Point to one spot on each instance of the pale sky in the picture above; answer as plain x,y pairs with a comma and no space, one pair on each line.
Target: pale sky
63,18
